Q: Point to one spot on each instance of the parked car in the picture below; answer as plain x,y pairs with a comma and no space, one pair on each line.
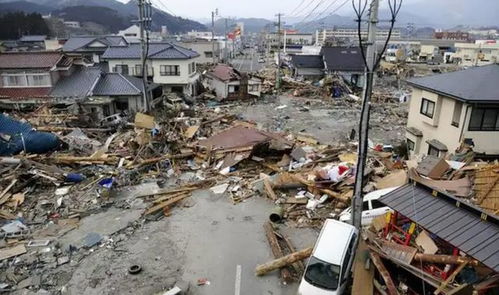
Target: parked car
329,266
371,207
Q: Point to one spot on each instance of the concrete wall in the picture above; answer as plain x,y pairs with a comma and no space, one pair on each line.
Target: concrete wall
184,78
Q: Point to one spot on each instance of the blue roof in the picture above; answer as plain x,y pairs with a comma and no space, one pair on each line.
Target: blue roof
156,51
79,43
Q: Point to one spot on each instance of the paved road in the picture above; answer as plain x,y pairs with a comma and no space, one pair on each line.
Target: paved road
248,62
224,242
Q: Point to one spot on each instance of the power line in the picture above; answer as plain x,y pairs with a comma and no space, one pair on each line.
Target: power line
312,11
296,8
326,9
310,23
165,8
306,7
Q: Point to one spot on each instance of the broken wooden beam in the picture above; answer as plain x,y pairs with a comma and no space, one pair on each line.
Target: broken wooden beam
445,259
283,261
392,289
269,191
165,157
450,278
166,203
276,249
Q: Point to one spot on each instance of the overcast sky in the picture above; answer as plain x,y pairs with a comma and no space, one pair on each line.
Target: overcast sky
197,9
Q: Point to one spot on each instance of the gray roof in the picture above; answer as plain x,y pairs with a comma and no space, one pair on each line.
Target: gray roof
33,38
307,61
452,220
343,59
117,84
156,51
79,43
93,81
477,84
79,84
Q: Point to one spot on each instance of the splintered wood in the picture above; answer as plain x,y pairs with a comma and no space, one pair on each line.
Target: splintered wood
487,188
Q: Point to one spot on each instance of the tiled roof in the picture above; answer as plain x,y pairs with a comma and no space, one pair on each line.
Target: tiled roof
33,38
29,60
225,73
348,59
156,51
93,81
79,84
24,93
478,84
307,61
78,43
117,84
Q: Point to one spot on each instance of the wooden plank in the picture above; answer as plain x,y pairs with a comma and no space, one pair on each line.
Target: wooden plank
450,278
5,191
392,289
268,189
165,204
11,252
276,249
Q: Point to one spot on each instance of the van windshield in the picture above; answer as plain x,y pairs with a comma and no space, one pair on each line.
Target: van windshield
322,274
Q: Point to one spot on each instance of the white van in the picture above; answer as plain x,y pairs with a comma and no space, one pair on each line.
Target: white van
371,207
328,268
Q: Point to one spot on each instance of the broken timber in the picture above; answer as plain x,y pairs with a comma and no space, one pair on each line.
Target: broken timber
283,261
276,249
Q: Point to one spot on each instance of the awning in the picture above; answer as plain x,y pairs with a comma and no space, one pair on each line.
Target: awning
437,144
466,227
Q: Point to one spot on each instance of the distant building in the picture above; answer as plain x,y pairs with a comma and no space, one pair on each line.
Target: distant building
34,42
352,34
72,24
168,64
476,54
132,34
346,62
91,48
307,66
448,109
458,36
228,83
204,48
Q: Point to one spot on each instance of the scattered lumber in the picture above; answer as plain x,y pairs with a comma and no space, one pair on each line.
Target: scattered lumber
276,249
166,203
265,268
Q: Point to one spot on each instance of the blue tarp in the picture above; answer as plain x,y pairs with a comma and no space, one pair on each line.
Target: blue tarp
17,137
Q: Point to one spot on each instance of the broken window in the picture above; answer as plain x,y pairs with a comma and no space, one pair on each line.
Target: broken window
456,116
427,108
410,145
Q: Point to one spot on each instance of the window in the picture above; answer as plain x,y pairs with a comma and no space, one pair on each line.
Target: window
38,80
433,151
410,145
165,70
122,69
138,70
484,119
192,67
14,80
456,116
253,88
365,205
427,108
208,54
322,274
377,204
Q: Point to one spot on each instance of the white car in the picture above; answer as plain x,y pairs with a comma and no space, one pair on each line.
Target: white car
329,266
371,207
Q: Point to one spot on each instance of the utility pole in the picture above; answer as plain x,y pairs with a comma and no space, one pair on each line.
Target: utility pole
225,43
213,14
145,25
364,118
278,72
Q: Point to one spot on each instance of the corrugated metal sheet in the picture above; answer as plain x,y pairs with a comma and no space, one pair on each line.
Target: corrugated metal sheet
458,226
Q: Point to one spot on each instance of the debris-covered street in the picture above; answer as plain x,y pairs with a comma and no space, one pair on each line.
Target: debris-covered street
143,152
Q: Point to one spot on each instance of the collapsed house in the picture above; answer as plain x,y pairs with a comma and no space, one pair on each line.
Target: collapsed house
229,83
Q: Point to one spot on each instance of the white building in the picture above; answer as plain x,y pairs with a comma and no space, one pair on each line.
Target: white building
172,66
72,24
352,34
204,48
477,54
132,35
448,109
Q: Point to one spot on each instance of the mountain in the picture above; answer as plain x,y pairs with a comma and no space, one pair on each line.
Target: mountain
24,6
328,22
120,14
251,25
